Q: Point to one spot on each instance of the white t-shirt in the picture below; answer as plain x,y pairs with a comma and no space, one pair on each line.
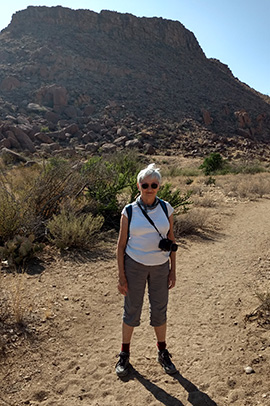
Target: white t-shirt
142,245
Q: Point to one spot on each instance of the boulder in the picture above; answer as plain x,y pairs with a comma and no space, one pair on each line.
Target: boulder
71,112
86,138
36,108
53,96
5,143
243,118
120,140
9,83
149,149
72,129
50,147
108,148
89,110
94,126
12,140
133,144
23,139
52,117
122,131
65,153
92,147
207,117
12,156
43,138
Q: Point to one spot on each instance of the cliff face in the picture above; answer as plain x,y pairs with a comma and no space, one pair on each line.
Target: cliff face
153,68
116,26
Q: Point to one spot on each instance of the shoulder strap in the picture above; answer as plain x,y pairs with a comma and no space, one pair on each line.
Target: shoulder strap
129,214
149,219
164,207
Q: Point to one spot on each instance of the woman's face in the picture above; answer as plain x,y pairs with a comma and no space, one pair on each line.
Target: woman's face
149,187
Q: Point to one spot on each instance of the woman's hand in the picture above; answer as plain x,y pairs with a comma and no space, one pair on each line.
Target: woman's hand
123,285
171,279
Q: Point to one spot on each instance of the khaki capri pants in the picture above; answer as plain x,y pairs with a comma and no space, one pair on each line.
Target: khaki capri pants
157,278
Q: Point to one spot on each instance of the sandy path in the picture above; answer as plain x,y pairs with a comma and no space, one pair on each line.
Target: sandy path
207,336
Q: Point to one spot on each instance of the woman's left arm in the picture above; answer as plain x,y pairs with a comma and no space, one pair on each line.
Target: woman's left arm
172,273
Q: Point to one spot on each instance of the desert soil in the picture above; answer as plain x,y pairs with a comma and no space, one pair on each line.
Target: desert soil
66,353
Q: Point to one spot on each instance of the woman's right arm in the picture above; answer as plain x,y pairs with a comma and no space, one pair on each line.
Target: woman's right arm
121,245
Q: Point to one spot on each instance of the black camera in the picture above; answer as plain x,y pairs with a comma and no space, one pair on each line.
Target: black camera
167,245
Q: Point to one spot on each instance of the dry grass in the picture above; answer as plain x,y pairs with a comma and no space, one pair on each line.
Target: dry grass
192,222
19,309
12,300
245,186
4,301
207,198
262,313
240,186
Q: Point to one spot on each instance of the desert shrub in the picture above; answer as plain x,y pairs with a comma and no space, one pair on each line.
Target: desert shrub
71,230
30,196
191,222
212,163
4,304
264,299
262,313
178,201
58,181
19,250
210,181
107,179
207,200
10,214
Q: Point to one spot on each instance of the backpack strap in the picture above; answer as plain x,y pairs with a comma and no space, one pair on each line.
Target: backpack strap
129,214
164,207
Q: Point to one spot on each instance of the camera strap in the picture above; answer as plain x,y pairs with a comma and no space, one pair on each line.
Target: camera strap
148,218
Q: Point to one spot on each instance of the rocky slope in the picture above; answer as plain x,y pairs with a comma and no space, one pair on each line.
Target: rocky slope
79,81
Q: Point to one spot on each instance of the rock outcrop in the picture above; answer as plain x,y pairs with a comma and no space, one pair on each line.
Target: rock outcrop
120,82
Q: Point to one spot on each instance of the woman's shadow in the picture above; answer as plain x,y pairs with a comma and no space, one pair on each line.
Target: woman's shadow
195,396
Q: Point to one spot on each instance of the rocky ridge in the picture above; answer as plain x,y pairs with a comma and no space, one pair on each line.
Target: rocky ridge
79,82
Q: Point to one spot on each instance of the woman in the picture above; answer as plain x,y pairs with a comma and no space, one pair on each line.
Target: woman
140,260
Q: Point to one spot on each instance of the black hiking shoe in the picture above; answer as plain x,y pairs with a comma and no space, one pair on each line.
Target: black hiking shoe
164,358
122,365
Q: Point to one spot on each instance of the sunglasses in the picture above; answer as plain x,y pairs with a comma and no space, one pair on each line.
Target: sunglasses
146,185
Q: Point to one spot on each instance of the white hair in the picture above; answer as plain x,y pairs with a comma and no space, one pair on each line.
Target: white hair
152,171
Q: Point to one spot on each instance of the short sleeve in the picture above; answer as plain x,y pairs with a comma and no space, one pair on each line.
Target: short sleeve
170,209
124,211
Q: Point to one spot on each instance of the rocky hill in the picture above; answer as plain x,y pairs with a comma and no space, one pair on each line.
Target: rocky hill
79,81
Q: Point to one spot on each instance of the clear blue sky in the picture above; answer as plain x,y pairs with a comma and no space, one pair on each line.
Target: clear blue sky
237,32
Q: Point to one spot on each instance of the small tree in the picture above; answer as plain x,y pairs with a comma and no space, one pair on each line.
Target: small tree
212,163
106,179
174,197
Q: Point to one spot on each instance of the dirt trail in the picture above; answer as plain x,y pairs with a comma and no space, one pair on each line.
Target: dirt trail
70,359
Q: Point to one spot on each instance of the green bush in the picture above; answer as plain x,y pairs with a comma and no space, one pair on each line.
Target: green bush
107,179
175,198
212,163
71,230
